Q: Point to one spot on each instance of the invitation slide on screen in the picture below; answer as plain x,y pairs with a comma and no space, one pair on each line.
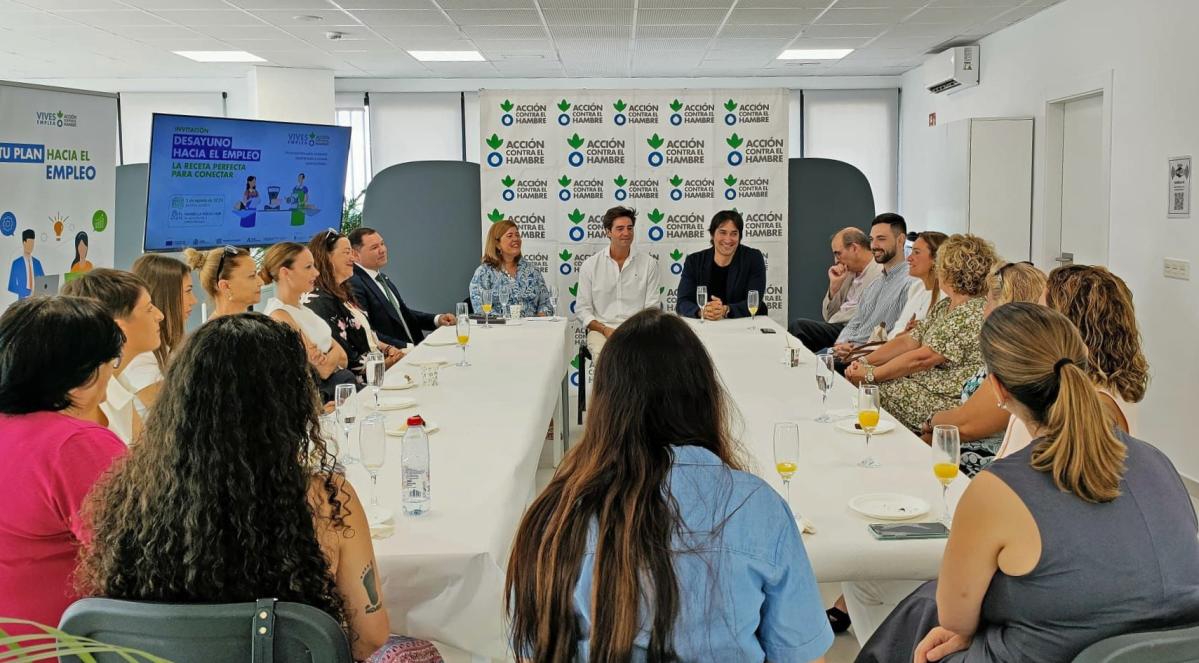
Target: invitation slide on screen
216,181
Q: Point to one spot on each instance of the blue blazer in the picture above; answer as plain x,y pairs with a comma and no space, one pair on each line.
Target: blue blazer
382,314
747,272
17,276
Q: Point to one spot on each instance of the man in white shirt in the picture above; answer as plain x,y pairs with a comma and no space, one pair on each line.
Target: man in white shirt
617,283
853,269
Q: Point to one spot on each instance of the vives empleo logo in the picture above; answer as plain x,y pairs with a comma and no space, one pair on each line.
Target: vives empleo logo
55,119
508,194
576,231
735,157
655,157
619,119
311,139
656,232
575,158
621,193
676,265
675,192
676,118
494,158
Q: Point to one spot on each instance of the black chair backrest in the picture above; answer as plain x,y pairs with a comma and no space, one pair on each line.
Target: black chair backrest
1179,645
268,631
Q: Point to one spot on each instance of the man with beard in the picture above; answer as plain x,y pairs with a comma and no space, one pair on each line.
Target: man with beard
883,300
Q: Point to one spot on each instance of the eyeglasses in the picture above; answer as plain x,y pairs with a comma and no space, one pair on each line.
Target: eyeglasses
999,272
331,237
228,250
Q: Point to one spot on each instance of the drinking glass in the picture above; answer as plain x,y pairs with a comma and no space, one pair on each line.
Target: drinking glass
554,292
372,443
347,414
946,453
463,329
868,414
786,453
504,296
825,375
330,434
486,297
375,368
753,309
701,298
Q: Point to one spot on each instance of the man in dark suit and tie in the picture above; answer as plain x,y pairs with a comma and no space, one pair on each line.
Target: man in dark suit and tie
391,319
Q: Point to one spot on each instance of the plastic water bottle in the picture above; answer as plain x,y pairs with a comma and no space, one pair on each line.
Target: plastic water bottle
414,459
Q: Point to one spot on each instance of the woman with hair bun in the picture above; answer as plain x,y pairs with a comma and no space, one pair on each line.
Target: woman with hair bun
229,276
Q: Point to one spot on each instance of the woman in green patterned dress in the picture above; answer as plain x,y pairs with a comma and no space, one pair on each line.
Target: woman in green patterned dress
922,372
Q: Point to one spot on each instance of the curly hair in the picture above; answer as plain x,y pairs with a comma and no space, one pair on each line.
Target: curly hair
964,262
216,503
1099,303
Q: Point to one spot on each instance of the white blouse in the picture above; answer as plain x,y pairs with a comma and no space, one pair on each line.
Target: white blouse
142,372
919,298
119,406
314,327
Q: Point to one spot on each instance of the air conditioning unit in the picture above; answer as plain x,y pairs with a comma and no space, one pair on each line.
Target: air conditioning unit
952,70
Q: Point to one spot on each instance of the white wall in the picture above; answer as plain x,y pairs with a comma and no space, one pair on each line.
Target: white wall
1147,49
292,95
138,108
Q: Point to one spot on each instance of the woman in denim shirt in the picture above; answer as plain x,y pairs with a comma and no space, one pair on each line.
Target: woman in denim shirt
503,269
652,542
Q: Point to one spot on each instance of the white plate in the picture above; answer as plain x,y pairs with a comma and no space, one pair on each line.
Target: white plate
404,381
398,431
388,404
439,343
847,426
889,506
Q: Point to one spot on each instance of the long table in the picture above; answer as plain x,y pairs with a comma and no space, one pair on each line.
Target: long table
766,391
443,572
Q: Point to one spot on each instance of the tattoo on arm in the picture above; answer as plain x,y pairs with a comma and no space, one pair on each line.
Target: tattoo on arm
372,592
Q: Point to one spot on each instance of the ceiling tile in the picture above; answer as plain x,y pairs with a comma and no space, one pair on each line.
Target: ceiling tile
31,19
177,4
261,31
846,42
588,17
478,4
516,45
154,33
495,17
974,3
772,16
958,15
576,33
863,4
676,31
931,30
586,4
761,31
286,18
294,6
401,17
820,31
674,17
193,17
504,31
671,45
888,15
126,17
318,35
782,4
391,4
56,5
422,33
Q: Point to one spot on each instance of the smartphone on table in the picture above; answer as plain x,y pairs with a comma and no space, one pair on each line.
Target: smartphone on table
904,531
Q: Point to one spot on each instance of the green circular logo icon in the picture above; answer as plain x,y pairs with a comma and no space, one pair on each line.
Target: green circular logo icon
99,220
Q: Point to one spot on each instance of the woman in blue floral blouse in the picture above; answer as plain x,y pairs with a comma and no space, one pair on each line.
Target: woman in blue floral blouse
502,269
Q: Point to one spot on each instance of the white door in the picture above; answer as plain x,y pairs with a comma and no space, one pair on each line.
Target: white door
1084,191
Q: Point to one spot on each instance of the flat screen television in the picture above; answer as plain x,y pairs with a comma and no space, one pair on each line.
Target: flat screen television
216,181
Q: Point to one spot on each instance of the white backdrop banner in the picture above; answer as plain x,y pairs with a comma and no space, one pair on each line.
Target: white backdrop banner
57,184
555,161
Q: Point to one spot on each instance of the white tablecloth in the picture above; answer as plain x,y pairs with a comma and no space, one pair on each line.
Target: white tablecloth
443,572
766,392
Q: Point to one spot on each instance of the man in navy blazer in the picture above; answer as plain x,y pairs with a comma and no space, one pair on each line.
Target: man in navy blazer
729,270
391,319
25,268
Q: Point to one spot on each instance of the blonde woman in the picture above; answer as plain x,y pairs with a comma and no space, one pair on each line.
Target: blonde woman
980,424
925,291
230,278
502,269
922,372
1086,534
1099,304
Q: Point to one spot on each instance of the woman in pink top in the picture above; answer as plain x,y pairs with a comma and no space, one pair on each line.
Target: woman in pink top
1099,304
56,358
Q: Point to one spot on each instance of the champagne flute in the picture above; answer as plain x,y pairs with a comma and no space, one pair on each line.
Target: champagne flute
463,329
554,292
946,453
868,414
701,298
485,296
505,295
825,373
786,453
375,368
753,309
372,442
347,414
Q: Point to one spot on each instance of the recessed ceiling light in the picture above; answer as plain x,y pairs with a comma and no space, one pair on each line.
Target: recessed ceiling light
307,18
814,53
220,56
448,56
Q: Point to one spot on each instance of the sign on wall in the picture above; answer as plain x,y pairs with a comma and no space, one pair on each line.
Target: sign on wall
555,161
57,185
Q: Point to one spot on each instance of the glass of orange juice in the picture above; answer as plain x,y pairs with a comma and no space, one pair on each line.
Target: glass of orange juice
946,454
462,329
869,410
786,452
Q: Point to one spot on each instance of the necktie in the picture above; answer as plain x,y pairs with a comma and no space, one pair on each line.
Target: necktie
385,284
29,269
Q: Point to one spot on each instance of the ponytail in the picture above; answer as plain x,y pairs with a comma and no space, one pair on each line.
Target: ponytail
1081,453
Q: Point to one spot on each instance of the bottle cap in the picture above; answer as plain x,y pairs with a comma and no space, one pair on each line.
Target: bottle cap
416,420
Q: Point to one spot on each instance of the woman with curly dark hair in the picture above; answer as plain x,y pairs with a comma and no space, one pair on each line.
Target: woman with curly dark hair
205,511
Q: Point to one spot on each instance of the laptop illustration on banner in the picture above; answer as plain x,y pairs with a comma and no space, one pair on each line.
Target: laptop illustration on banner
46,285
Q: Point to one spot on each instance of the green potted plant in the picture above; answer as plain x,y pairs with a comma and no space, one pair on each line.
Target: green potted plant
52,643
351,213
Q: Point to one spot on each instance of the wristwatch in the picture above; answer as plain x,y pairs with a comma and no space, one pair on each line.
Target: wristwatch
869,372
